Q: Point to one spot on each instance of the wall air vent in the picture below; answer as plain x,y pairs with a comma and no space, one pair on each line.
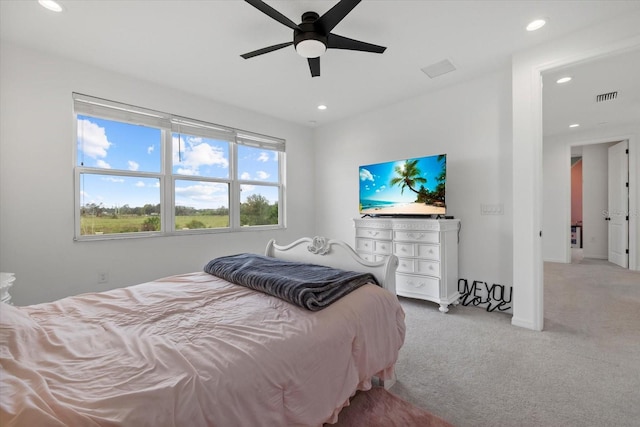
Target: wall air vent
607,96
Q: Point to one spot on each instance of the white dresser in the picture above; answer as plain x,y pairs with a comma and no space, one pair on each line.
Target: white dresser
427,250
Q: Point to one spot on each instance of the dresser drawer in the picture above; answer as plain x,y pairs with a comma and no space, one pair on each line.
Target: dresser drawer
364,245
383,247
406,265
372,233
418,266
417,286
373,246
404,250
372,257
416,250
429,252
417,236
430,268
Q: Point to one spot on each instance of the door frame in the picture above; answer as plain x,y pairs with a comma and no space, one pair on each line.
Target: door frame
527,69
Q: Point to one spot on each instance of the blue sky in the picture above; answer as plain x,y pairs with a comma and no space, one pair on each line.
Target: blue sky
111,145
375,180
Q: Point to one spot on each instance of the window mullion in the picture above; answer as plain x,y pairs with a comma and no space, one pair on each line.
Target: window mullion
234,190
168,183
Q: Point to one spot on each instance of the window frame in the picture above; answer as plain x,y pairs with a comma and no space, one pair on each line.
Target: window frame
169,124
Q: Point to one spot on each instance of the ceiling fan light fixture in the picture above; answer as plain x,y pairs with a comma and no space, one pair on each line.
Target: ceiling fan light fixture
310,48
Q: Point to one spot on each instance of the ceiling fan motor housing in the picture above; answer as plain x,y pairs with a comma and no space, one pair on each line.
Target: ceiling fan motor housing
308,30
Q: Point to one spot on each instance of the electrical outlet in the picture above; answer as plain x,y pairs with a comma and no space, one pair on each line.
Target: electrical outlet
103,277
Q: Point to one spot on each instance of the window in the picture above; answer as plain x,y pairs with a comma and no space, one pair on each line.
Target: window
140,172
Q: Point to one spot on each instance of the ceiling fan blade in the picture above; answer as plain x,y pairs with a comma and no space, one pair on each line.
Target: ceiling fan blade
271,12
335,41
265,50
314,66
333,16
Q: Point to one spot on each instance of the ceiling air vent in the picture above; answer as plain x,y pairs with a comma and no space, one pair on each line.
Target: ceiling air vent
607,96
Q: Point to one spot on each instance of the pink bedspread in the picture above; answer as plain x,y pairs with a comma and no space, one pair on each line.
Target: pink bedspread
192,350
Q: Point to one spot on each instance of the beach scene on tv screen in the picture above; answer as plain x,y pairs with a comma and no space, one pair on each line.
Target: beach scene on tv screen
405,187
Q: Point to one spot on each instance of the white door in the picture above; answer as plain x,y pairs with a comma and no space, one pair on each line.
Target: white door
618,204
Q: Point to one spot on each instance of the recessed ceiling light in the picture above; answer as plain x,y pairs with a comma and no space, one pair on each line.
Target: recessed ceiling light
563,80
51,5
575,125
536,25
322,107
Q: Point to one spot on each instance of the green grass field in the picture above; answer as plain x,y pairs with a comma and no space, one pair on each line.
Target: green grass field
133,223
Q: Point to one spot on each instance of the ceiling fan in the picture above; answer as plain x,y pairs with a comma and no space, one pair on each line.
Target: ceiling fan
313,36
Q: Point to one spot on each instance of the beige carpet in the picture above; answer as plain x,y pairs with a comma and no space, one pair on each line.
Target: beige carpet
474,369
379,408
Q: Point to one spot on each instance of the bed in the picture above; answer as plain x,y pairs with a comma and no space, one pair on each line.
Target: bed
197,350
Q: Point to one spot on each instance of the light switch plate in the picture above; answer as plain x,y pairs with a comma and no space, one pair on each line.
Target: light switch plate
497,209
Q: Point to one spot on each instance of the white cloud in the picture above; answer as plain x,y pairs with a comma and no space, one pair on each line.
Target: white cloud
263,157
245,175
262,175
92,139
150,149
183,171
113,179
192,153
102,164
365,175
133,166
139,184
203,195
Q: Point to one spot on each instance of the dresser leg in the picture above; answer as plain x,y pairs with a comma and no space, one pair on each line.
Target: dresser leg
444,308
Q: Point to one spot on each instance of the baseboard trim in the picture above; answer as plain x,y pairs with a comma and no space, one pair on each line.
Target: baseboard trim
523,323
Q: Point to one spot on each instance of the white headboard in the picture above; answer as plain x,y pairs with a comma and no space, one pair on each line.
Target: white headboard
336,254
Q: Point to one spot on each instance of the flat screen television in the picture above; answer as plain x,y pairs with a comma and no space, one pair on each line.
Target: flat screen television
408,187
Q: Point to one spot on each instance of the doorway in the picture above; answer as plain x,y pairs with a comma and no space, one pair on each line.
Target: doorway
600,203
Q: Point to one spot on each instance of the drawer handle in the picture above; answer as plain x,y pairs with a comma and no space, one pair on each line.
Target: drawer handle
415,236
373,233
403,249
383,247
366,245
431,267
415,285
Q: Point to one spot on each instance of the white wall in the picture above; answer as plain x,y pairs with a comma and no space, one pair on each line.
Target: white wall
36,181
471,123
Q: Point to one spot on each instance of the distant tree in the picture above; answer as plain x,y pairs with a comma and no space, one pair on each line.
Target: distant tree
194,224
256,211
151,224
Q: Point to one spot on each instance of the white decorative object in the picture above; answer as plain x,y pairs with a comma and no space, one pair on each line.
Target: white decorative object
6,281
427,251
319,246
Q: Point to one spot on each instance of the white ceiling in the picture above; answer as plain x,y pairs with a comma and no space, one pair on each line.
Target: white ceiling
575,101
195,46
